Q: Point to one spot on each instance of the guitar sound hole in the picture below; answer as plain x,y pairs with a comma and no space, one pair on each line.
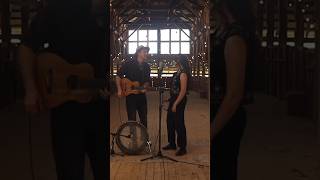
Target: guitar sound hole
73,82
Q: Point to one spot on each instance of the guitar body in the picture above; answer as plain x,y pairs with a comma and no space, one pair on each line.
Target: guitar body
129,87
57,80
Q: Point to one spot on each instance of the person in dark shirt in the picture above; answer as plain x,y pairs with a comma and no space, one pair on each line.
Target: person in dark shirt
177,104
70,29
233,55
136,70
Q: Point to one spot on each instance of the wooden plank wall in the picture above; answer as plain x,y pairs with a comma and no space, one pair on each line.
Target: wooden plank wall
289,68
15,17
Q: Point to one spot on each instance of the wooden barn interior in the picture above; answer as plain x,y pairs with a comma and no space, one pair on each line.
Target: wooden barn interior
282,138
283,131
171,29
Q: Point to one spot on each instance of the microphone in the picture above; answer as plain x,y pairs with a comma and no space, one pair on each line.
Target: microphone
160,68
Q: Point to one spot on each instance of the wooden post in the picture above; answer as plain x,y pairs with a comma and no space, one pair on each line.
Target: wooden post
283,23
300,25
6,31
269,50
318,65
25,13
260,20
270,20
5,50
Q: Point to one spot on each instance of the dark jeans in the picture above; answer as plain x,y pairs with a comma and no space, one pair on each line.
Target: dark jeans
175,123
137,103
79,129
225,147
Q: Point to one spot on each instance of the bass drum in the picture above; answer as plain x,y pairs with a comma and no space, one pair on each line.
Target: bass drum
132,138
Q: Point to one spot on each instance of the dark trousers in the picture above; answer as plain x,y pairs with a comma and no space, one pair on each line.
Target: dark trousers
79,129
175,123
137,103
225,148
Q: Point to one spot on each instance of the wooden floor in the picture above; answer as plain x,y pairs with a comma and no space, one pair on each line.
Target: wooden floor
197,124
275,147
159,170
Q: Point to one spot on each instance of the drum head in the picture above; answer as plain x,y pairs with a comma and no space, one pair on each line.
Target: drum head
132,138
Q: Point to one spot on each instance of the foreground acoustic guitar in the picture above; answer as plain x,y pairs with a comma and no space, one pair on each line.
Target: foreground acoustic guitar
129,87
60,82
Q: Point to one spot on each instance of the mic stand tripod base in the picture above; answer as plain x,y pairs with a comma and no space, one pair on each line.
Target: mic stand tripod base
159,156
113,153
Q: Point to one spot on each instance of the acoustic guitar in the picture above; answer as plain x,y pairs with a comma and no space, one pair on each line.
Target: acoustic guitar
129,87
59,81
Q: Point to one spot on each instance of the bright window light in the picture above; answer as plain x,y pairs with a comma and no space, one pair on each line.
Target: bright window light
153,35
165,48
185,47
170,41
153,47
132,47
145,44
134,36
175,48
165,34
185,35
143,35
175,34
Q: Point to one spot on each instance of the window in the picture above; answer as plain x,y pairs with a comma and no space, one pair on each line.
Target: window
172,41
147,38
175,41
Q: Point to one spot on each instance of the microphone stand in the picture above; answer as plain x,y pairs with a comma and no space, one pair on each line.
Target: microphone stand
159,154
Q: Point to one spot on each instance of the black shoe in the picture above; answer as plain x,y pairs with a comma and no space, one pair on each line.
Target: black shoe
169,147
181,152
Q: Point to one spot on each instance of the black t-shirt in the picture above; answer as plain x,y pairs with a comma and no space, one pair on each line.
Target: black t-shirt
219,65
77,40
135,71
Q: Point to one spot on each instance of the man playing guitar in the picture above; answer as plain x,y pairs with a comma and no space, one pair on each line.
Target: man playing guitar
136,70
70,30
